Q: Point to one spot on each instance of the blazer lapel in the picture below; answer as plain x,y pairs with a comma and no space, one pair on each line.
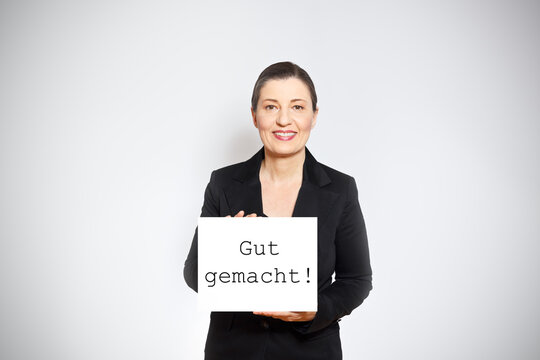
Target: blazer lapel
312,201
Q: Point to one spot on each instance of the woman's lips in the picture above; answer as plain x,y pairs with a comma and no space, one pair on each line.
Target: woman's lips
284,136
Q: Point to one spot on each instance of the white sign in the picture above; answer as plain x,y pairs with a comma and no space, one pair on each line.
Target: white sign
257,263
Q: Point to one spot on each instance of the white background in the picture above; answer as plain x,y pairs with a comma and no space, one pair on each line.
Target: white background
113,114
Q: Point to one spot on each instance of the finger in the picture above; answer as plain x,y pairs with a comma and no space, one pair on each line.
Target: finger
240,214
228,216
276,314
284,318
263,313
281,314
252,215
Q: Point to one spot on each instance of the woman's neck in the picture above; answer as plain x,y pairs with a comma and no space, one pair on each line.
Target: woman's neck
283,169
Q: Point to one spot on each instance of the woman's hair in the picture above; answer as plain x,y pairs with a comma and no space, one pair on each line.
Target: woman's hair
283,70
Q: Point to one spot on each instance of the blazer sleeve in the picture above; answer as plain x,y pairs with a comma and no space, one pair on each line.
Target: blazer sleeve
353,274
210,208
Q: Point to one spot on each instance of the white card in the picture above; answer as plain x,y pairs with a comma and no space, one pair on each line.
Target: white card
257,264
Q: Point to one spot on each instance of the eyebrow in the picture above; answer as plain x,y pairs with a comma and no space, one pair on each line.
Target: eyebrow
274,100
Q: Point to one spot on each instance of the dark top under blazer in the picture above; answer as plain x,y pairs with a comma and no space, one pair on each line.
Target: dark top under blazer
332,197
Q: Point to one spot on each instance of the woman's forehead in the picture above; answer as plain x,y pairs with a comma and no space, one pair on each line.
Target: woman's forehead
291,88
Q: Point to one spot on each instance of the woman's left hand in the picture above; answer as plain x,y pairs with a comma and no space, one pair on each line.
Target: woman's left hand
288,315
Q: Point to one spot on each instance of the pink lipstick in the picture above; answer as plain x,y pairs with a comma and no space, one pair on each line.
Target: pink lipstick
284,135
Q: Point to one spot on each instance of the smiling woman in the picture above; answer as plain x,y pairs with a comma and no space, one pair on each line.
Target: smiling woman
284,115
283,179
285,112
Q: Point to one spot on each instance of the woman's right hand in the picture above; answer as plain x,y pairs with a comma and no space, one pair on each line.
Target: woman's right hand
241,214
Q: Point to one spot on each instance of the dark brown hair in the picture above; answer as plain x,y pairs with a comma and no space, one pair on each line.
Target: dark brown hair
283,70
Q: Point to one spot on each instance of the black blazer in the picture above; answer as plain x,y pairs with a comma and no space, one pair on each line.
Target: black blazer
332,197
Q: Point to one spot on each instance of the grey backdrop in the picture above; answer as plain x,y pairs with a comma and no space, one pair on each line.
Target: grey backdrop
114,113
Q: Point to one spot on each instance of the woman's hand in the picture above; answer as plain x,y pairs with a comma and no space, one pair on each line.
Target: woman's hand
288,315
241,214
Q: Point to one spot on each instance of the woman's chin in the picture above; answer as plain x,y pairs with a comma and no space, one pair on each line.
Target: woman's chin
284,150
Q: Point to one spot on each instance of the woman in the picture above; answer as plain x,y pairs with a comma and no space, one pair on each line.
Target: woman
283,179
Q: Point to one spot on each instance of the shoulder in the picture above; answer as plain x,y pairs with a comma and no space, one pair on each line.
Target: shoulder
340,181
336,175
226,174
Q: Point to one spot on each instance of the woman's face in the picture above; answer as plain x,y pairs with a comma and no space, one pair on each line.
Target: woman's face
284,116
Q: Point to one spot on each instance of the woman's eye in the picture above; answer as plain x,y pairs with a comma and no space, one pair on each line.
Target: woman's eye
269,107
298,107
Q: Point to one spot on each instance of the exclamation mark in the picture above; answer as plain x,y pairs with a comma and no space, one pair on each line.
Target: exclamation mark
308,274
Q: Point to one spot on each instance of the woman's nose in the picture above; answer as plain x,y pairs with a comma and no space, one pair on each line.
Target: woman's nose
284,118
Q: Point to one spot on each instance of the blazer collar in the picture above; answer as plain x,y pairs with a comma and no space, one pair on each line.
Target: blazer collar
313,172
312,201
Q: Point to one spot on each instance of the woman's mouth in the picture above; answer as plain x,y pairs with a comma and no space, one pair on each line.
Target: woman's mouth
284,135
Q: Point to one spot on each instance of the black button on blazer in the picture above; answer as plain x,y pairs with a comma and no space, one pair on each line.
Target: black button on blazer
332,197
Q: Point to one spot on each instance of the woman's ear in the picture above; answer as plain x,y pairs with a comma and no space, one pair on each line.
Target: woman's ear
254,117
314,120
